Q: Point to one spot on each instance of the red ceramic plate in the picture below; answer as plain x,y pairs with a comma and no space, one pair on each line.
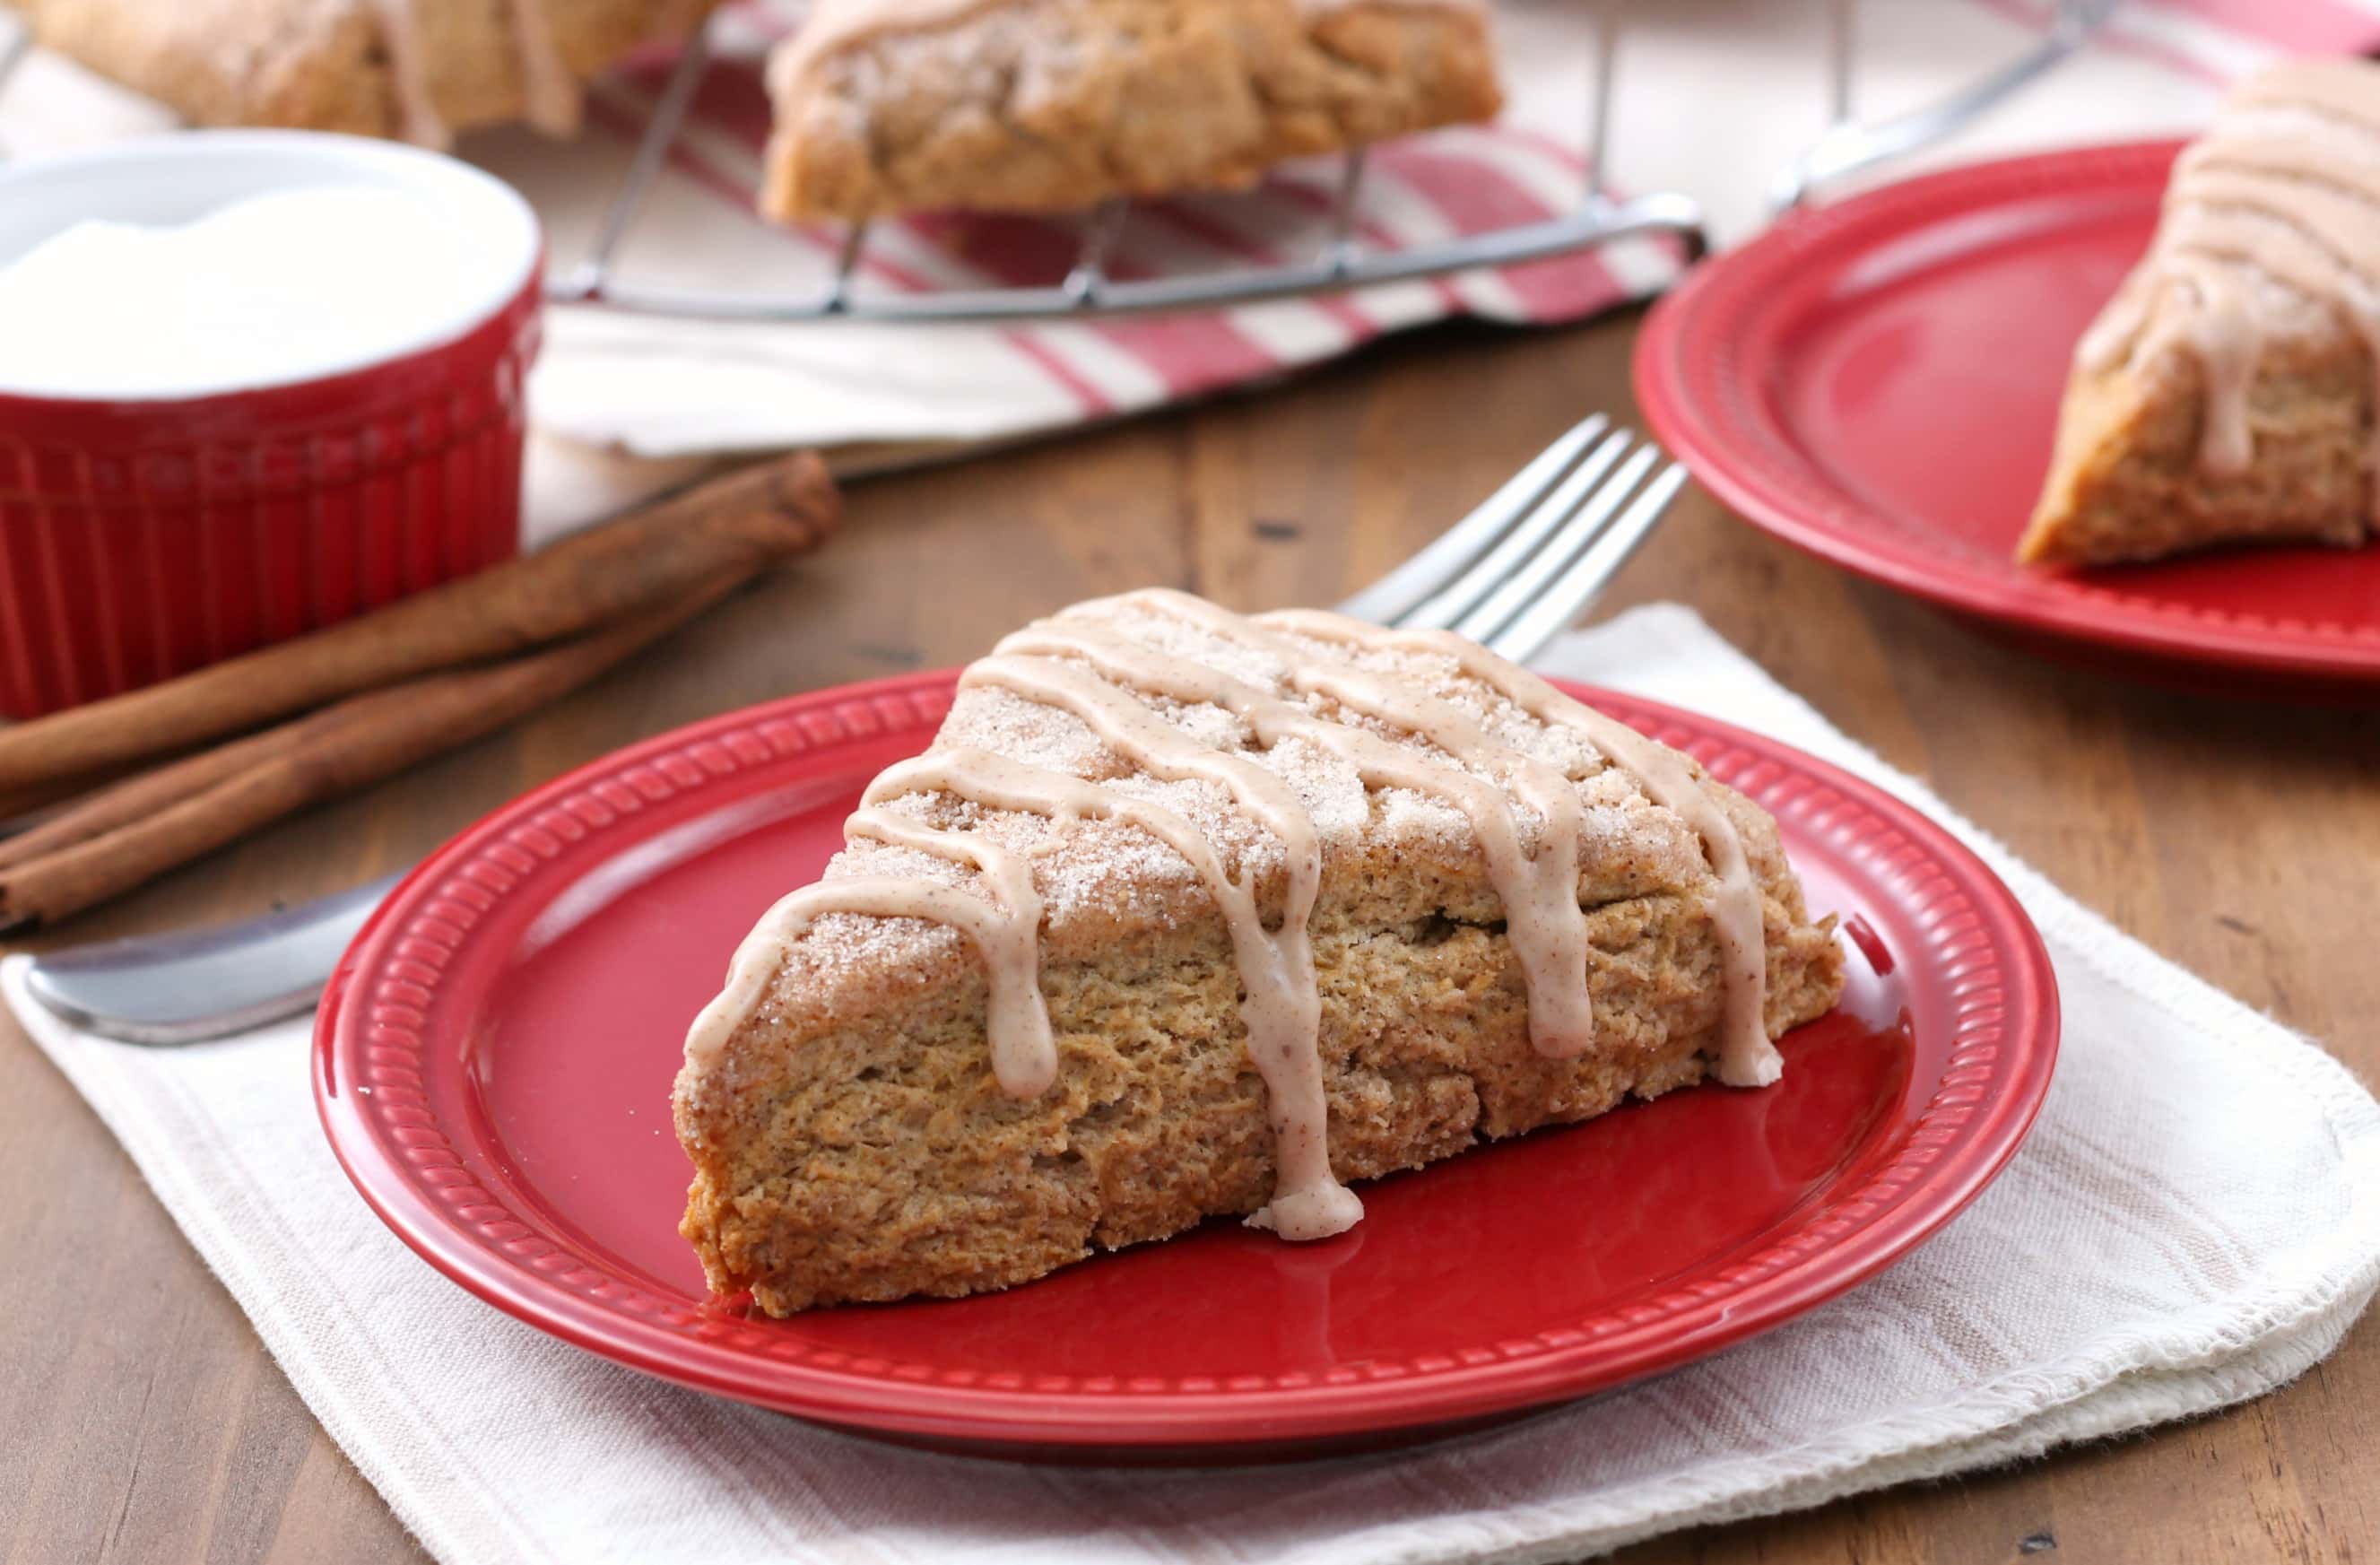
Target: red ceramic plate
494,1064
1877,382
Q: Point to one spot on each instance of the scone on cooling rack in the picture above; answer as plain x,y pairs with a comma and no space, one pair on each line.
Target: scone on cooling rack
1186,913
2228,393
420,69
893,106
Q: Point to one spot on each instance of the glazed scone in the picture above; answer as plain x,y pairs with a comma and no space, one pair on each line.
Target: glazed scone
420,69
894,105
2227,393
1186,913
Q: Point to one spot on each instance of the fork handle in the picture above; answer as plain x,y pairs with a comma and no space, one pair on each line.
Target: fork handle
194,985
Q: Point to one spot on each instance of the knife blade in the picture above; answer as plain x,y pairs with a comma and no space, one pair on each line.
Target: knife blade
193,985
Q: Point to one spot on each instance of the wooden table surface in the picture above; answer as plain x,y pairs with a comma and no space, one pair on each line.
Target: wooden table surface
143,1420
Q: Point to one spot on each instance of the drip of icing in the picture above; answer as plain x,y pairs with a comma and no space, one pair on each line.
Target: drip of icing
2336,86
1026,1060
2282,193
1279,1004
2105,343
2221,329
417,114
1746,1057
1103,679
1024,1056
2267,150
1543,920
2317,258
553,99
1536,923
1310,1203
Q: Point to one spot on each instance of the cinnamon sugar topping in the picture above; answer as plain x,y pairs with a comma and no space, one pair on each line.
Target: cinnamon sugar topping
1292,718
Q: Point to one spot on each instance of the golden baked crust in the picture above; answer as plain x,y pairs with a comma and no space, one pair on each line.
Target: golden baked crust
326,64
851,1142
2126,482
893,105
2226,395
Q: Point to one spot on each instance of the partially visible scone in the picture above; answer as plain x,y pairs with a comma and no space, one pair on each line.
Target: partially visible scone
1186,913
2227,395
414,69
893,105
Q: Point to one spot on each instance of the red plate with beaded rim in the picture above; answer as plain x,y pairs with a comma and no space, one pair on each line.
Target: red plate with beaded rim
1877,382
493,1061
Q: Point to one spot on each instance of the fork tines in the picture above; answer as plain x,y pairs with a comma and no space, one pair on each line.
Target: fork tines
1515,573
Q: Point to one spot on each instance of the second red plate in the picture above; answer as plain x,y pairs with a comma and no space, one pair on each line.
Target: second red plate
493,1061
1877,382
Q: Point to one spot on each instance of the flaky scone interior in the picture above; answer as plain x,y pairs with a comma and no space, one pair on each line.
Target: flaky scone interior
2227,395
1186,913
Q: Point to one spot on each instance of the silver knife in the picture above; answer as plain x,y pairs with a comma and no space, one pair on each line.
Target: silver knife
198,984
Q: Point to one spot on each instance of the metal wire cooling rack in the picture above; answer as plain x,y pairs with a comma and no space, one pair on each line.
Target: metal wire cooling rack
1339,260
1850,145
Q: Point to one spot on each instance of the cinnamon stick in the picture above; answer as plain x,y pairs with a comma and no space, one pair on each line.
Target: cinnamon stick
125,835
652,556
139,797
18,805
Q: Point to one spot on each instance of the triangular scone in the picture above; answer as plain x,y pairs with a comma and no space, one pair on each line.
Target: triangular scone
896,105
2227,393
1186,913
420,69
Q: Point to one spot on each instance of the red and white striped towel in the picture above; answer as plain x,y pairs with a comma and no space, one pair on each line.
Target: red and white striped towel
1713,94
671,389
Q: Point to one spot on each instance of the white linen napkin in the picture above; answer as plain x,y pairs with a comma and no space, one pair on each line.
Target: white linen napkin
2194,1221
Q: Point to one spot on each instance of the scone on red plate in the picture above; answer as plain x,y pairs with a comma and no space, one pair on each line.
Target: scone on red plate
1186,913
2228,393
894,105
420,69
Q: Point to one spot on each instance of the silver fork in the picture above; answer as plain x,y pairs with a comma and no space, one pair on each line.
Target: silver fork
1511,574
1517,571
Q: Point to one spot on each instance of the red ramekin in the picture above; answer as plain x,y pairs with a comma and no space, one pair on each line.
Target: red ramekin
139,539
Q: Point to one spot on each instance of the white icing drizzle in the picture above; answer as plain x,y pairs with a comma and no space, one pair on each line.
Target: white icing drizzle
2221,329
553,101
2339,85
1540,894
2280,197
1023,1057
1280,1004
552,97
1284,992
1104,679
409,73
1746,1057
